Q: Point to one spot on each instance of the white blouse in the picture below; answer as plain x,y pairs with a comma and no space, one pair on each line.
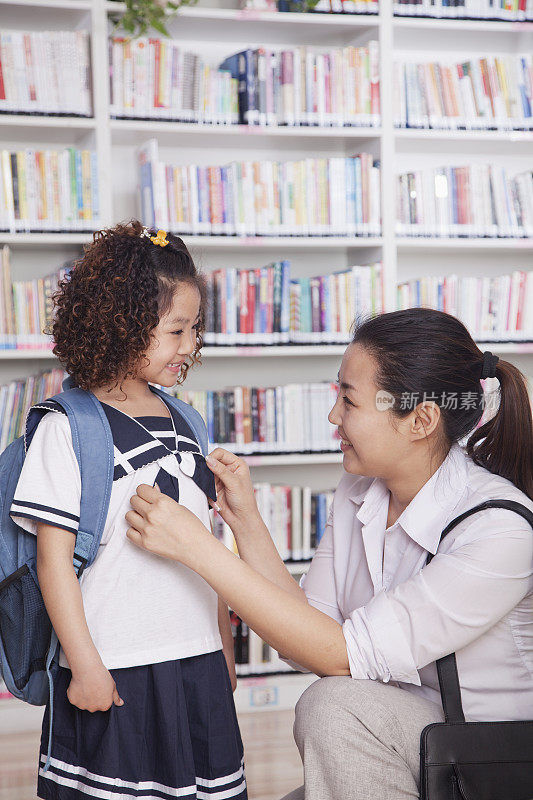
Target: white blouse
475,597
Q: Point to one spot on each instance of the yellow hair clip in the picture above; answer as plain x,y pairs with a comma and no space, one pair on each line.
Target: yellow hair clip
160,239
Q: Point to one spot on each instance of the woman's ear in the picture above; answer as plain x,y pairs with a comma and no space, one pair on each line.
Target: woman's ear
425,419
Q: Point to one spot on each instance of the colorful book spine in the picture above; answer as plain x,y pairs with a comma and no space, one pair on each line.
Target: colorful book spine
49,190
494,309
460,95
287,512
33,66
17,397
508,10
279,198
26,307
471,201
283,417
273,308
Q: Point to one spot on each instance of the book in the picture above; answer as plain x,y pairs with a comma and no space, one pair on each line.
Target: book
286,512
509,10
17,397
33,70
485,93
480,200
494,309
26,307
277,309
262,198
287,417
49,190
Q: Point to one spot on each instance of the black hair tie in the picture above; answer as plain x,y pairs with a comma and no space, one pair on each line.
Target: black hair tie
489,365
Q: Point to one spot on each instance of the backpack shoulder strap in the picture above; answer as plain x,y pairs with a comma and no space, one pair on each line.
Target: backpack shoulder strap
189,414
93,445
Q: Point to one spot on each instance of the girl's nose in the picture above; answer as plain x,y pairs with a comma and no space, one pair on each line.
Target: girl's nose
189,343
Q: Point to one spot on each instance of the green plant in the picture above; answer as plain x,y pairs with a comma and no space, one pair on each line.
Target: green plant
140,15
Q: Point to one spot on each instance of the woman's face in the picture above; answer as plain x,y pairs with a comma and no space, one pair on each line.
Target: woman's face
371,444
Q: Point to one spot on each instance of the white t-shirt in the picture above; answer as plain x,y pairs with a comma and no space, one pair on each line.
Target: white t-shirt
140,608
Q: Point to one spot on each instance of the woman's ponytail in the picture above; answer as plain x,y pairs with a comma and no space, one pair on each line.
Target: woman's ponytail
504,444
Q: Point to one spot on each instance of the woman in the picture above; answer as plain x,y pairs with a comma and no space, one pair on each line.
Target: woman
369,617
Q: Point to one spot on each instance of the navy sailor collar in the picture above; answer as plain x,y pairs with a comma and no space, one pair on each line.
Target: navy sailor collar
136,447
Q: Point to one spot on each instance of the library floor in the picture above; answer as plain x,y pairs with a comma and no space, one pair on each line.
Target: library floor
273,765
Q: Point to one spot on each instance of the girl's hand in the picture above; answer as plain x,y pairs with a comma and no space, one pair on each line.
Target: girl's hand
235,493
95,690
162,526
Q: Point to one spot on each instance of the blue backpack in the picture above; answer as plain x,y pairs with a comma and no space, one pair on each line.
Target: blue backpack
28,643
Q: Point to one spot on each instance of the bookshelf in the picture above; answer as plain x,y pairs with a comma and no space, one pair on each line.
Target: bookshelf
216,32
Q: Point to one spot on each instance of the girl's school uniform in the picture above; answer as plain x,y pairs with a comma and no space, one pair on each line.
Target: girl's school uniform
153,621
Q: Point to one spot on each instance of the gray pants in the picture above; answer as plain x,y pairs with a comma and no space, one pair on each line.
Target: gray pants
360,740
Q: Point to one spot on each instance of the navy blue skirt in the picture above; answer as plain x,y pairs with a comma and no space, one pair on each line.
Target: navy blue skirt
176,736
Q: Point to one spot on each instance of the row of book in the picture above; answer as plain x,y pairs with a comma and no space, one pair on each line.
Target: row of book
492,308
295,516
243,419
482,93
314,196
45,72
17,397
157,79
253,656
267,306
326,6
509,10
275,419
26,307
480,200
290,418
48,190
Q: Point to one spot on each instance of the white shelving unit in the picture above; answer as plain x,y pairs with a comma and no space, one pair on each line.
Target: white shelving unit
217,32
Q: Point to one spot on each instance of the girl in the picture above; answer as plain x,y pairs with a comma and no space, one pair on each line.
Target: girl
369,615
143,703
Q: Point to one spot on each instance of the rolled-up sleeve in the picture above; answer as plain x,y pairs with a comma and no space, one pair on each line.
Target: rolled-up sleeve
452,601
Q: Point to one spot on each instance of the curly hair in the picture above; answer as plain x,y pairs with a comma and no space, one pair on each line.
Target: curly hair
107,307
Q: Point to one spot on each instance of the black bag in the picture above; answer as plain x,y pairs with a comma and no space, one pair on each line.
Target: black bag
474,760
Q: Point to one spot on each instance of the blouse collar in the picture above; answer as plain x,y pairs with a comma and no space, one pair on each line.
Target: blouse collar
430,509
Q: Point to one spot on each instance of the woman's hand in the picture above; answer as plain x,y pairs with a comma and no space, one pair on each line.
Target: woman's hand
235,493
93,690
162,526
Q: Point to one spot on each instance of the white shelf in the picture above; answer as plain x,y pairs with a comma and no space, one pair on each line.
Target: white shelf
406,244
297,567
41,239
67,5
266,351
293,459
285,242
331,21
275,351
46,121
471,25
269,692
433,134
210,242
135,132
